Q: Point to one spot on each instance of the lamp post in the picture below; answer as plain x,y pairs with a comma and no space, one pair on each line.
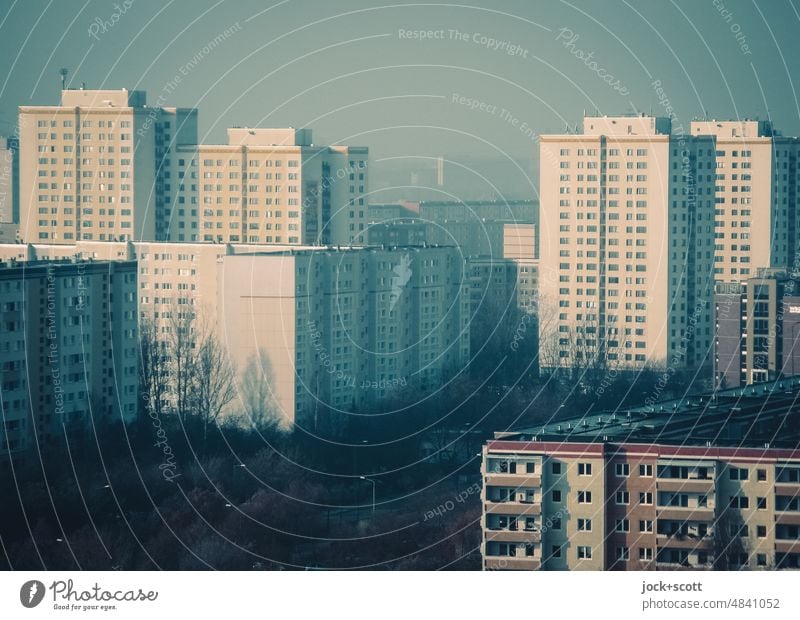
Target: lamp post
373,491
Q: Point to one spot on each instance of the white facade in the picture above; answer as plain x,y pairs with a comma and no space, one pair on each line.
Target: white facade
638,223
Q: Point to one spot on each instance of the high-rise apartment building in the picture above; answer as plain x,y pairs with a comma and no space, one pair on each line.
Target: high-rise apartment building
754,194
96,166
269,186
9,180
608,269
757,325
174,279
341,328
104,166
68,349
684,485
641,219
520,245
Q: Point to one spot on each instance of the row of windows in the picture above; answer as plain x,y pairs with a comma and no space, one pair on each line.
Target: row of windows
611,152
252,163
87,123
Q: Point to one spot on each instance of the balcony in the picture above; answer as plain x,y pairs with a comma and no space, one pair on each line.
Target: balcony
513,536
787,546
787,517
685,514
513,508
514,480
686,485
685,541
683,566
511,563
789,489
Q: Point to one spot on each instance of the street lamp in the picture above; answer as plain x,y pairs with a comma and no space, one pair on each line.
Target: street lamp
373,491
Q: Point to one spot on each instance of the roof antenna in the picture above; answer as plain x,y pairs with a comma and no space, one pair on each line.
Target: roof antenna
63,73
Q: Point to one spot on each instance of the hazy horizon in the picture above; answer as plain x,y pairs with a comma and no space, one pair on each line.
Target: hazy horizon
483,80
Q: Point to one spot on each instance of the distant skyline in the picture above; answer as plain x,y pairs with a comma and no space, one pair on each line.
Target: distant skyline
411,79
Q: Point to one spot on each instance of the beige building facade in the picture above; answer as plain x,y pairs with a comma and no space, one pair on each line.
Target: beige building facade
269,186
636,506
92,168
641,219
105,166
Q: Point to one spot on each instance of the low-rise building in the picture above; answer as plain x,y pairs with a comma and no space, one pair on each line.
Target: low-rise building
691,484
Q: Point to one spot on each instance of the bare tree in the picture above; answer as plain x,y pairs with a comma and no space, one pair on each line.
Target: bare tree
547,324
729,546
153,368
592,351
260,407
211,381
183,359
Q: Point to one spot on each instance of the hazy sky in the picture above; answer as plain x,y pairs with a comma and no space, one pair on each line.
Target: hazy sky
346,69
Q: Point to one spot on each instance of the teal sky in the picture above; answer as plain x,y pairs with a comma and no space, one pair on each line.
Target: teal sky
342,68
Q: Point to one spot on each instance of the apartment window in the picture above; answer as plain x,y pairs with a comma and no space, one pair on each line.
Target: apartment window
622,470
622,498
555,468
646,498
740,501
623,554
761,559
555,523
761,531
762,475
555,551
584,552
529,548
584,469
556,495
646,554
584,525
584,497
761,503
622,525
646,526
646,471
738,473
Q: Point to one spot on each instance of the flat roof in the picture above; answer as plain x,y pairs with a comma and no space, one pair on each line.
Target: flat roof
752,416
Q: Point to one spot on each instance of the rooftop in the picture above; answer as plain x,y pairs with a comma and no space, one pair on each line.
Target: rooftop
760,415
